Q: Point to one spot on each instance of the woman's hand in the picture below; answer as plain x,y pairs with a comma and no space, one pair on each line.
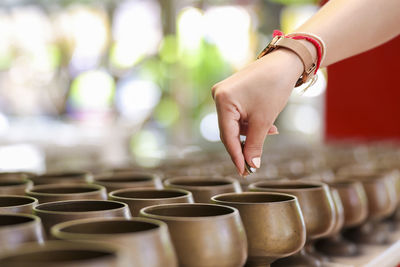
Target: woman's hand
249,101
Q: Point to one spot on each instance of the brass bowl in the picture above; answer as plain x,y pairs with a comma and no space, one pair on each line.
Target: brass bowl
14,186
354,199
64,254
138,198
68,177
116,181
381,195
59,192
315,200
146,241
17,204
203,188
61,211
339,211
273,222
203,234
16,229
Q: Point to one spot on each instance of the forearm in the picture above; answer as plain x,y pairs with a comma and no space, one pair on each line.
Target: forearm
349,27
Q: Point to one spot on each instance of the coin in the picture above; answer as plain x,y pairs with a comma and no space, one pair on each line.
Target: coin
247,167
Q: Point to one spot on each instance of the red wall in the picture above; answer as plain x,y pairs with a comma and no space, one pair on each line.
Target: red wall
363,96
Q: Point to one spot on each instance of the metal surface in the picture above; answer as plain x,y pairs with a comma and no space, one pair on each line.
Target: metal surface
203,234
273,222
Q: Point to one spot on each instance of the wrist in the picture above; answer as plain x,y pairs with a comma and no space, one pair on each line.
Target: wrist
309,56
289,62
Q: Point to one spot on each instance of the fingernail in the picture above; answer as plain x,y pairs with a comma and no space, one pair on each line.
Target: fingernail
256,162
273,130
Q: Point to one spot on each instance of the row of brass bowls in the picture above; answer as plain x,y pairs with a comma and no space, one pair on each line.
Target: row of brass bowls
17,184
203,187
53,212
336,222
203,234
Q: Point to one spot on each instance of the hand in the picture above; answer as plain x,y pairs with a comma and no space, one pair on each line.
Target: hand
249,101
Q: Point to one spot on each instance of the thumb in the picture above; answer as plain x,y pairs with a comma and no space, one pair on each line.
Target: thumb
256,133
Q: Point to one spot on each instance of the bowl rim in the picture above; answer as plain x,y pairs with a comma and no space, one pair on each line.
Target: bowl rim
344,183
31,192
34,220
57,229
293,198
314,186
61,175
186,193
34,201
37,210
144,212
109,176
229,182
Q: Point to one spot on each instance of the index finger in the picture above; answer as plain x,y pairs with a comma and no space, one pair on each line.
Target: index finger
230,134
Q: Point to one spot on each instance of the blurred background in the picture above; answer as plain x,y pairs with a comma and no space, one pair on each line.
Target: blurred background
111,82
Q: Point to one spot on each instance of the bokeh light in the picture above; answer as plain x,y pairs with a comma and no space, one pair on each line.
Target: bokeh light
306,119
209,127
190,28
21,157
135,99
167,112
145,147
292,16
4,124
229,28
137,32
86,31
92,90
